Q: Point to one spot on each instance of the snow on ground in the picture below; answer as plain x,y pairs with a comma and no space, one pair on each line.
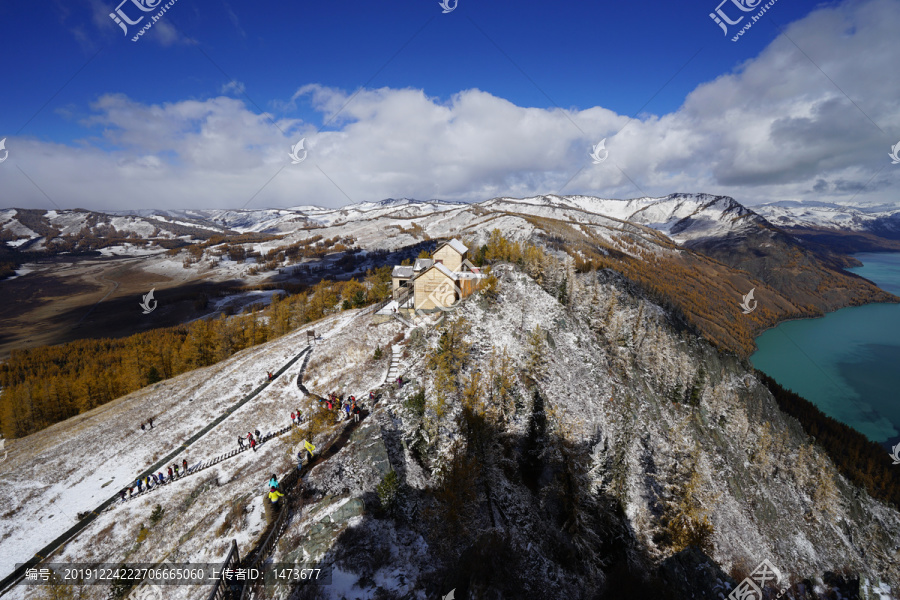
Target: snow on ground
345,362
826,214
22,271
73,466
18,229
246,298
388,308
60,471
131,250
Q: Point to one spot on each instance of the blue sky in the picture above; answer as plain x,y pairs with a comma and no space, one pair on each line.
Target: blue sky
74,83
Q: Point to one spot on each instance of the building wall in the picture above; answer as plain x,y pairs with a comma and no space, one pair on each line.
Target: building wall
396,285
450,258
467,286
433,287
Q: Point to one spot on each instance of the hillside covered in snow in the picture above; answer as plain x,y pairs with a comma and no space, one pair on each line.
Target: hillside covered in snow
561,434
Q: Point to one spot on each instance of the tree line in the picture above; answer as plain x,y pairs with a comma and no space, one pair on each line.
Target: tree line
859,459
45,385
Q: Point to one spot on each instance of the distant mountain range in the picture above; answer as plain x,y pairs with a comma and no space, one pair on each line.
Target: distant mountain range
684,218
882,220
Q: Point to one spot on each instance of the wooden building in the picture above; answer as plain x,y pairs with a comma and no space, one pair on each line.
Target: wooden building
435,283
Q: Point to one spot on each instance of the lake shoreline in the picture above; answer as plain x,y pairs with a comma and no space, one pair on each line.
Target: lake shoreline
812,356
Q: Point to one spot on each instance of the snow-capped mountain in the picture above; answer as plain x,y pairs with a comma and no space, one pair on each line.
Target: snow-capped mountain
682,217
881,220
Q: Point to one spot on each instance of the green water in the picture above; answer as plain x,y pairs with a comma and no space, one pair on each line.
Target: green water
847,362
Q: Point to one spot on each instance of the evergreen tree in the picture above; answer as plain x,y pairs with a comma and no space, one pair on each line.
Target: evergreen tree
153,375
562,292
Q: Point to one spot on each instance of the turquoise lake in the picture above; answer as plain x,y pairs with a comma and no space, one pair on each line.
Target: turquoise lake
848,362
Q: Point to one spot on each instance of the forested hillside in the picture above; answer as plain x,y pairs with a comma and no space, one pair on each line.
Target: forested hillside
45,385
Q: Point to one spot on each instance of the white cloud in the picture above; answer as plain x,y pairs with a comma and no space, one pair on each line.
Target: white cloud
235,88
778,128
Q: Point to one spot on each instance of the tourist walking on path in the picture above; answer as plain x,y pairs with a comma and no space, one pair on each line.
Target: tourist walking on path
143,428
310,449
150,421
122,495
161,478
241,442
273,481
176,470
253,444
184,464
274,495
258,436
299,416
356,412
170,473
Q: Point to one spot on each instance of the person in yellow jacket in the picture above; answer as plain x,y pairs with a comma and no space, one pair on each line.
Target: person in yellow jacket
310,450
274,495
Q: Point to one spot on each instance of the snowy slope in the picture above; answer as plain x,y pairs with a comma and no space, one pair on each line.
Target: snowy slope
881,219
682,217
73,466
612,366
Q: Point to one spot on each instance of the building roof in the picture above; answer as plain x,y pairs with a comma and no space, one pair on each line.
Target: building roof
467,264
455,244
402,271
422,264
445,271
